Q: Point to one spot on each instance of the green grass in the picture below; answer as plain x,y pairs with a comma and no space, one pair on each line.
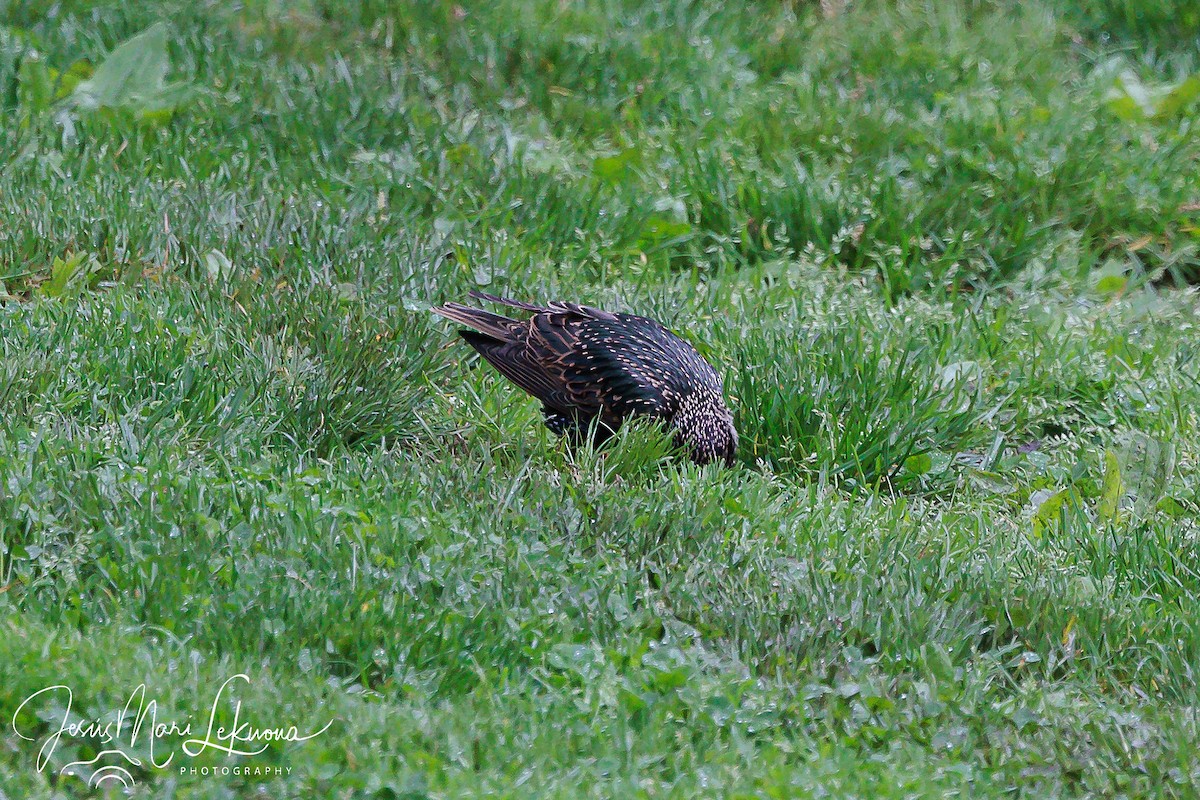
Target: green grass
940,251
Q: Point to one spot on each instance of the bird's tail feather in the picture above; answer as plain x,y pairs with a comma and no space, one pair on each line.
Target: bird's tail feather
555,307
485,322
504,301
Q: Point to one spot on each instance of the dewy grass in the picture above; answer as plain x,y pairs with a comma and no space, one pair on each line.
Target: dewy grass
939,261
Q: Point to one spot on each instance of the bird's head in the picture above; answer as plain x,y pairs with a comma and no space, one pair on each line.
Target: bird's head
705,428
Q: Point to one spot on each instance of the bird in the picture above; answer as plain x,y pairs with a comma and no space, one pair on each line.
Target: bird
592,370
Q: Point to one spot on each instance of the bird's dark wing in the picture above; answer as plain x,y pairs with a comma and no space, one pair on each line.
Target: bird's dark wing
515,361
555,356
542,355
503,343
557,341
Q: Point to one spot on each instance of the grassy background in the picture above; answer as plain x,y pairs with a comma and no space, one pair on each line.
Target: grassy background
939,250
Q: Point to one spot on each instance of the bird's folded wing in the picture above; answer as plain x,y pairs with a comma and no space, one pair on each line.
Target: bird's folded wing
515,361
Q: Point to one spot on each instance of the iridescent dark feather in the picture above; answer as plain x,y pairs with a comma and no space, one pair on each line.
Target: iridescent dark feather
592,370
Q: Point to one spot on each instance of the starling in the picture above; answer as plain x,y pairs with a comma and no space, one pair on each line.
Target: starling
592,370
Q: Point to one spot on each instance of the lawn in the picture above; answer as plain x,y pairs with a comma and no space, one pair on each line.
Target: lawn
940,250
